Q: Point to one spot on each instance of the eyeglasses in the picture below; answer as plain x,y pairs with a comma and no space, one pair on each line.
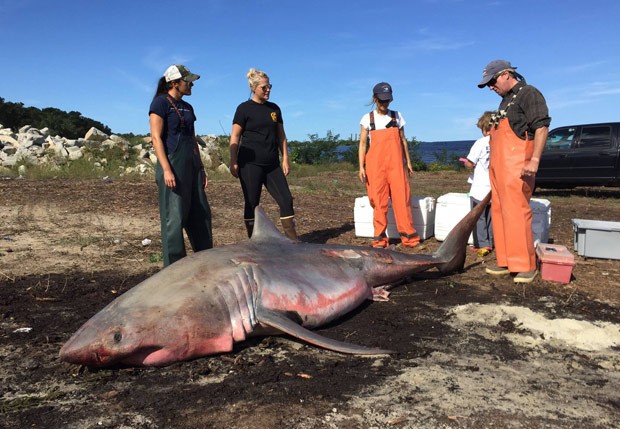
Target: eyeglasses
267,87
384,101
493,81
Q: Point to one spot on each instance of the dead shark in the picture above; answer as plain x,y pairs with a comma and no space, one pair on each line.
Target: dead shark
204,303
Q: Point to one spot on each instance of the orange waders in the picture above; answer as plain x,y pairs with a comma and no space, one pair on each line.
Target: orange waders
510,204
386,178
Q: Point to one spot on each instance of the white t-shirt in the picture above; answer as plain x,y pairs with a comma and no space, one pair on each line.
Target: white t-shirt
382,120
479,155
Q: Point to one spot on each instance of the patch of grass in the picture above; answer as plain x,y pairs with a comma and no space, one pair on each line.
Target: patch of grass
155,258
110,162
335,179
332,178
218,176
28,401
306,170
8,172
80,240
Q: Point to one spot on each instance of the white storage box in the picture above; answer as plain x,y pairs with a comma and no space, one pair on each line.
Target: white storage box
422,210
597,238
453,207
541,220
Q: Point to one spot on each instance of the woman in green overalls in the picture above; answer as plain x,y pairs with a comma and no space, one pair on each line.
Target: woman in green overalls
180,176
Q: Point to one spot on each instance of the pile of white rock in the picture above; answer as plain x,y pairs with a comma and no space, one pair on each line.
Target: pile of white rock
32,146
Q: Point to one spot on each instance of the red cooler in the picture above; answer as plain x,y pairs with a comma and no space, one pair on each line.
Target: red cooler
556,262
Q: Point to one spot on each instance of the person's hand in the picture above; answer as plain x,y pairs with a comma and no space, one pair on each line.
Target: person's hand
467,163
205,180
409,169
530,168
285,166
362,175
234,170
169,179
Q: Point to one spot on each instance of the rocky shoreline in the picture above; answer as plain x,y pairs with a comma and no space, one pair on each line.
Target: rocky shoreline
31,146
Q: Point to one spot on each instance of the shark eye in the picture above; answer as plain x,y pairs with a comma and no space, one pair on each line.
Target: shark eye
118,337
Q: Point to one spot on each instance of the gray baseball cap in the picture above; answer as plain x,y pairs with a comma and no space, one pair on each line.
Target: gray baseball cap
492,69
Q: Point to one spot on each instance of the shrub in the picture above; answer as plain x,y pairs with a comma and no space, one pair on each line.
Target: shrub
318,150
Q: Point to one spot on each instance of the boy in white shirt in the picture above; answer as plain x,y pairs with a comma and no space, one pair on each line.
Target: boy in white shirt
478,159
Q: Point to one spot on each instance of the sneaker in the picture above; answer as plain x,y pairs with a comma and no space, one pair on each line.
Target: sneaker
483,252
382,243
526,277
497,271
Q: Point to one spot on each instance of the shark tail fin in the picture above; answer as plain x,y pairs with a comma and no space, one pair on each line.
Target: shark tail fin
453,249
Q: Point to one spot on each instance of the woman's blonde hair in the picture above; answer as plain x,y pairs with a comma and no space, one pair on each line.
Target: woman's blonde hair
484,122
254,77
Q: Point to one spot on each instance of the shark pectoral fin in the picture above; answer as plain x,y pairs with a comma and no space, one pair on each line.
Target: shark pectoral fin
287,326
380,293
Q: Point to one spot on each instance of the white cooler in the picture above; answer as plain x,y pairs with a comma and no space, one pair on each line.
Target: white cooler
422,210
453,207
541,219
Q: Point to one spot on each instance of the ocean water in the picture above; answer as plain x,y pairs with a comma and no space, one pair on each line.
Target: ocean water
427,150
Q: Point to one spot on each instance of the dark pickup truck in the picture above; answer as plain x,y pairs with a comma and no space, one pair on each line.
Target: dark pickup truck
581,155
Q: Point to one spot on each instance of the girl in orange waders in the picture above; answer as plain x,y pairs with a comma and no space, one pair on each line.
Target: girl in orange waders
382,169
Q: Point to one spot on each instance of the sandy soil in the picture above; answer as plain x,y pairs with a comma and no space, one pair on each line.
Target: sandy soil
472,351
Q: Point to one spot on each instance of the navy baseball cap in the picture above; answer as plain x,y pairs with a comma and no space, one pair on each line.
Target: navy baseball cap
492,69
383,91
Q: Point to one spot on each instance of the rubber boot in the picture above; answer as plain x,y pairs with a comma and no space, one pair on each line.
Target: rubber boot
249,226
288,224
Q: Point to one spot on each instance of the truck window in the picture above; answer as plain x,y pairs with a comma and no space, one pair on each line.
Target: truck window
596,136
561,138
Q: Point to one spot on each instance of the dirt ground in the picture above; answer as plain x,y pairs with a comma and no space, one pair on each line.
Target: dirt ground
472,351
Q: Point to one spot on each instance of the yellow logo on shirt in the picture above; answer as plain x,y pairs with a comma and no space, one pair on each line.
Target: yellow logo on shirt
274,116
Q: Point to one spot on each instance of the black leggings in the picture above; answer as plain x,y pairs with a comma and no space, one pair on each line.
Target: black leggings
253,177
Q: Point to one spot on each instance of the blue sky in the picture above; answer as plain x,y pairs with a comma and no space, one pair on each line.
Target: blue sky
103,58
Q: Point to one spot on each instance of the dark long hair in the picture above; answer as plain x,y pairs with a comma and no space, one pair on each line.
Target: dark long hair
162,86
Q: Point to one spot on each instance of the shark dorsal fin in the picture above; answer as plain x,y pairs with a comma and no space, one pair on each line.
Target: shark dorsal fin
264,229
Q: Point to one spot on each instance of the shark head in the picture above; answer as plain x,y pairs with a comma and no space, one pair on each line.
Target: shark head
110,338
152,325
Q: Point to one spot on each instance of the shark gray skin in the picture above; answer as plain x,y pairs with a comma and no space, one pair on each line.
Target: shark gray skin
204,303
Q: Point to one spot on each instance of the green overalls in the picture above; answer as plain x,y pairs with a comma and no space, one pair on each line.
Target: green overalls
186,206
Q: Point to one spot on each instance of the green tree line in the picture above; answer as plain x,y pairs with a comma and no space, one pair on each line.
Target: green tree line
71,125
331,149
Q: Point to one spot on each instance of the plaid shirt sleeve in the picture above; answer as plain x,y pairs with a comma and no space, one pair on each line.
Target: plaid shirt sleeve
529,112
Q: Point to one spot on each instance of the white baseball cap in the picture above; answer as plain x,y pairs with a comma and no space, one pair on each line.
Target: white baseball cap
178,71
